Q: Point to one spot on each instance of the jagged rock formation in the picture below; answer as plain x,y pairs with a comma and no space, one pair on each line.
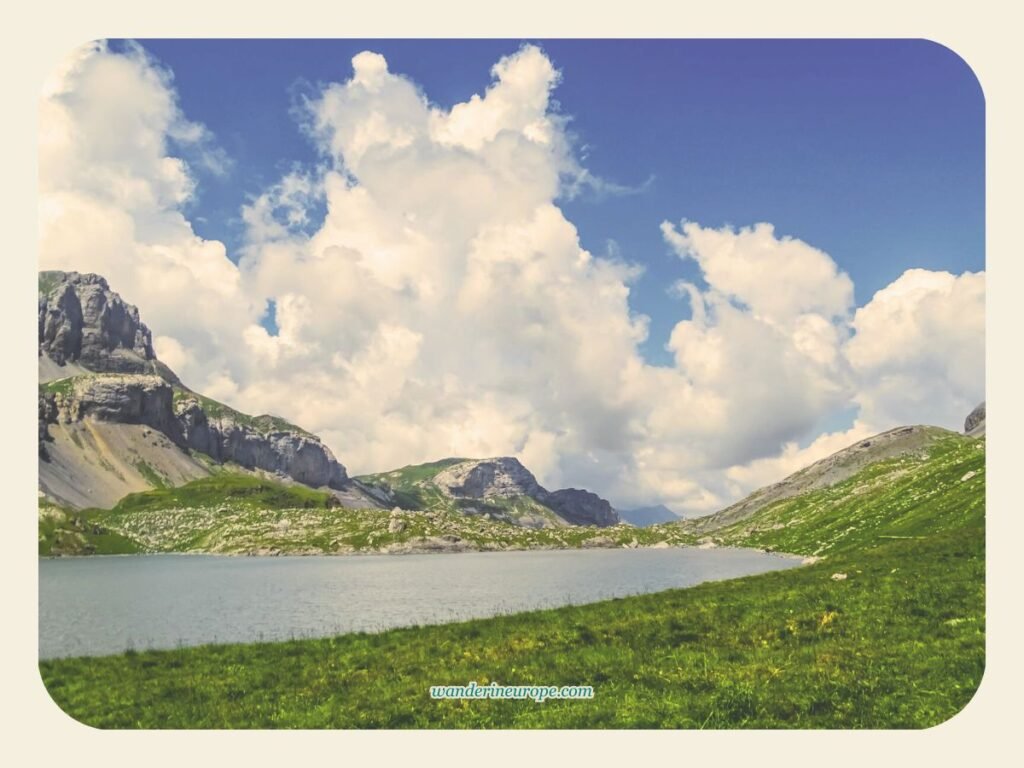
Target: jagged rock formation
582,507
502,477
153,402
290,452
974,426
500,487
84,323
99,373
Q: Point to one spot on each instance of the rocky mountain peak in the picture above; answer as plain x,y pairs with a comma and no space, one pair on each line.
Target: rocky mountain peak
581,507
486,478
505,477
84,323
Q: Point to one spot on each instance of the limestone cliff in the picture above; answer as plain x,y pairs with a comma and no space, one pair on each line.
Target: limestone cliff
98,368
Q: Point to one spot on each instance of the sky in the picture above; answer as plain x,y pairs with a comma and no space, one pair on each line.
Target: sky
668,271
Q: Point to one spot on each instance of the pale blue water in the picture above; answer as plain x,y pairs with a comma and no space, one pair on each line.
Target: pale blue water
101,605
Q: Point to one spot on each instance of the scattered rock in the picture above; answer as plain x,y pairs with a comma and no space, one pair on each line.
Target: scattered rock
838,577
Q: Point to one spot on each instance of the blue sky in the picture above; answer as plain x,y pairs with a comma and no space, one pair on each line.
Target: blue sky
872,150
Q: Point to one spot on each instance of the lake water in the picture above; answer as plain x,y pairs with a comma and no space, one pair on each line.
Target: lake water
102,605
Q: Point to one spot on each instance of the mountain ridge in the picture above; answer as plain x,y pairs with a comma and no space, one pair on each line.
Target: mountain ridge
113,419
898,443
499,487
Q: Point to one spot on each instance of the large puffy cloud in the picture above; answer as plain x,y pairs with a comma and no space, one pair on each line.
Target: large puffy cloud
763,345
443,305
919,349
111,201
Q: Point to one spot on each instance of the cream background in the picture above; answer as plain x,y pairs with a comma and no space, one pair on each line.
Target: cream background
982,33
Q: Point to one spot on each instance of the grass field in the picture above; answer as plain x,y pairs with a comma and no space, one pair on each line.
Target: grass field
886,631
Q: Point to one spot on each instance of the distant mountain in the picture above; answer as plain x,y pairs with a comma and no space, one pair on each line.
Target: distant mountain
645,516
113,419
500,488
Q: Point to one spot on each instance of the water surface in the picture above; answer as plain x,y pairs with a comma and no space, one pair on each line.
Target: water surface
102,605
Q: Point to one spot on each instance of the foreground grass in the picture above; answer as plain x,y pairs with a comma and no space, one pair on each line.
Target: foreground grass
898,644
886,631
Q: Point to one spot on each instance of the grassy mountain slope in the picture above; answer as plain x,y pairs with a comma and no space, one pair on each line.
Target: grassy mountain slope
911,442
888,631
909,497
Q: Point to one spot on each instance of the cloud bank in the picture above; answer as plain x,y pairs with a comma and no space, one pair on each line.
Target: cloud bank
444,306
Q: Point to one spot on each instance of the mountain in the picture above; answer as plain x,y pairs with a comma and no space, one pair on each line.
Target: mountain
113,419
974,425
852,477
642,517
903,441
900,500
499,488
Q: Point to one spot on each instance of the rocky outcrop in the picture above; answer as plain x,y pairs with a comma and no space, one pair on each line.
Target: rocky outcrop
502,477
47,415
299,455
83,322
974,426
173,411
122,399
505,477
582,507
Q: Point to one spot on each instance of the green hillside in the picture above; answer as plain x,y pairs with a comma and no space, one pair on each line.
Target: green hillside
909,497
